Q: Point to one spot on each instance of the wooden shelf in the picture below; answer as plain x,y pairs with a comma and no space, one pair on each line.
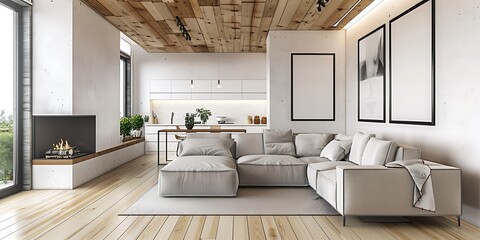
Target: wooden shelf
44,161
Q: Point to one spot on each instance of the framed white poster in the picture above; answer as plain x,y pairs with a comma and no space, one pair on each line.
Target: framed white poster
313,87
371,76
412,65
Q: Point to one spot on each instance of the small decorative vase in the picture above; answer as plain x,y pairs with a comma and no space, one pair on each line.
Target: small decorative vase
189,126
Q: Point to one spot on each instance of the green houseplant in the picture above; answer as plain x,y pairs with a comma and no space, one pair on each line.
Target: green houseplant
125,126
204,114
137,124
190,120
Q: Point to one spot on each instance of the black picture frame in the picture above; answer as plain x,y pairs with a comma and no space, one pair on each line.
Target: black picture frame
325,73
407,98
371,76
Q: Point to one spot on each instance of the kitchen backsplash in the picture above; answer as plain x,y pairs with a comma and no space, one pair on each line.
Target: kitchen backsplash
236,111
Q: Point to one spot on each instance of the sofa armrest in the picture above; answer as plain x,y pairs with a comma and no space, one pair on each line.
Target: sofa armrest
377,191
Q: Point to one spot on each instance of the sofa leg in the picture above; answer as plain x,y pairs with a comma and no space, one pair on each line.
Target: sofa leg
458,220
344,220
317,197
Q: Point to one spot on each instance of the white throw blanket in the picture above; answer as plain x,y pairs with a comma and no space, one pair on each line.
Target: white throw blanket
421,174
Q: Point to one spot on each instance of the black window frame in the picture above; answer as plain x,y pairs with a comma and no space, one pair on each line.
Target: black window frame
127,84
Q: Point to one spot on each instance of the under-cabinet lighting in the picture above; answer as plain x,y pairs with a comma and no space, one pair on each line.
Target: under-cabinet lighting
345,15
219,84
191,84
362,14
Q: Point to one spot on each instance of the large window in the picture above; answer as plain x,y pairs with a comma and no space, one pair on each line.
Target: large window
12,65
125,79
7,102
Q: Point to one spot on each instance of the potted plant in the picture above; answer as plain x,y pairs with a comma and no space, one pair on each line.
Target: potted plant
190,120
137,124
125,127
203,114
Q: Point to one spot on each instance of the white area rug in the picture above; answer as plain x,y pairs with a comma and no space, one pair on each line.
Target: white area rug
249,201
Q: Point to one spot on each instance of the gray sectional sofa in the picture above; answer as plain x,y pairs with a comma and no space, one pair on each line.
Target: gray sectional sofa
347,171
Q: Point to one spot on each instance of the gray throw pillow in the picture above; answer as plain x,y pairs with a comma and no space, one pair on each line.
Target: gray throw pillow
311,144
379,152
278,142
207,146
336,150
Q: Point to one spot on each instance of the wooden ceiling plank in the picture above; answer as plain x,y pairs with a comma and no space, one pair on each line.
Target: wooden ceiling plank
203,29
256,21
270,7
131,33
195,31
98,7
288,13
333,18
220,27
211,25
301,12
246,29
336,7
164,11
196,8
185,9
278,14
153,11
146,16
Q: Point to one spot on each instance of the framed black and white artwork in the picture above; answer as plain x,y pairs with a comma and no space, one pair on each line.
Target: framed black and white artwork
371,76
412,65
312,87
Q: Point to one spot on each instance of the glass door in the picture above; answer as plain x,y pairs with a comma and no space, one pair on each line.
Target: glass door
8,82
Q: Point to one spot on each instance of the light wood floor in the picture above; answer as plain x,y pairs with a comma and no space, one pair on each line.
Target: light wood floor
90,212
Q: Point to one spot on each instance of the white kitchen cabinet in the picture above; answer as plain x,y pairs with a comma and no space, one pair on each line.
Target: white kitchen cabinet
181,96
228,86
226,96
201,96
181,86
160,86
160,96
202,86
254,86
254,96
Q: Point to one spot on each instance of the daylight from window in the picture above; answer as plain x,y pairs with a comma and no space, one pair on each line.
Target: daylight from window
6,96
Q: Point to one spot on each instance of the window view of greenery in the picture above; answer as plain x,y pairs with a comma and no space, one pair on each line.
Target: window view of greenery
7,73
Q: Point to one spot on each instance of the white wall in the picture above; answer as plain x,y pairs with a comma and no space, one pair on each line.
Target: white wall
454,139
52,57
196,66
76,66
96,84
280,44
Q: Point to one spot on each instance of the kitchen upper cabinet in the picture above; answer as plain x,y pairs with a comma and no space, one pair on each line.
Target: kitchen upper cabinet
228,86
160,86
181,86
202,86
254,86
207,89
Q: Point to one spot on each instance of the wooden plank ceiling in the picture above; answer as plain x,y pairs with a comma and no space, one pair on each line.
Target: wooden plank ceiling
218,25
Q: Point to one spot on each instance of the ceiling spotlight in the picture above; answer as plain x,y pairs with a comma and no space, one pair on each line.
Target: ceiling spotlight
321,4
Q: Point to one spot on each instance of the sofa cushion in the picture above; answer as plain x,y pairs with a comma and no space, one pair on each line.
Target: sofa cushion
327,186
314,169
207,146
249,144
311,144
271,170
278,142
199,176
336,150
405,152
379,152
309,160
359,143
343,137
